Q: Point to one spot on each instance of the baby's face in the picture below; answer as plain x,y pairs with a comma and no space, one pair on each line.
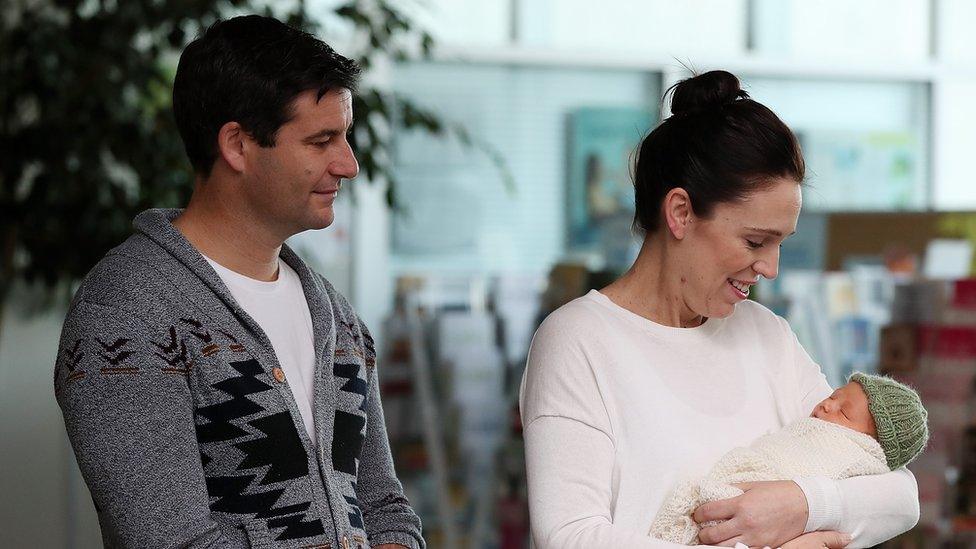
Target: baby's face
848,406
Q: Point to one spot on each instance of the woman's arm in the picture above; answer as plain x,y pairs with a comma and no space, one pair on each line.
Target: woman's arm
569,468
871,508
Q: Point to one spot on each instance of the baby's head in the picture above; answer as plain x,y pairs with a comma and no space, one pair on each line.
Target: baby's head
881,407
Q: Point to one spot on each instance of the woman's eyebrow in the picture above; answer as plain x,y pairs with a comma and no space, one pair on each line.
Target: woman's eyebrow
771,232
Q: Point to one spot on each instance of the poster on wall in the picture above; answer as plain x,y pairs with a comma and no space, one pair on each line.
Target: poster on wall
602,146
857,170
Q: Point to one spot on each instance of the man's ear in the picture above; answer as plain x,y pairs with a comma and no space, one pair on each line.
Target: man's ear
231,143
678,214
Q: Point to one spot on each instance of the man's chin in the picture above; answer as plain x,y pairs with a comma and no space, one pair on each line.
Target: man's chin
322,220
319,218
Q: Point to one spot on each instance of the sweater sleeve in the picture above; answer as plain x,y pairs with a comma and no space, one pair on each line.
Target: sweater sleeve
387,515
569,448
871,508
131,425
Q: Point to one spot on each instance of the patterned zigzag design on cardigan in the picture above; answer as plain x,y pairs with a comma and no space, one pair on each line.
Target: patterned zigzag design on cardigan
280,450
173,351
290,517
198,330
232,498
349,435
115,352
355,514
70,359
220,416
73,356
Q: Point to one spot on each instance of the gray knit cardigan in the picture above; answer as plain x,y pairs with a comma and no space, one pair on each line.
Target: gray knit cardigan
187,432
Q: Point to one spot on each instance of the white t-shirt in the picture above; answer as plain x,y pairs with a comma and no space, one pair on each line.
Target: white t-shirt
617,409
280,308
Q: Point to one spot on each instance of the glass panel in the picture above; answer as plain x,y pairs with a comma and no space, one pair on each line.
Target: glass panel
459,215
865,143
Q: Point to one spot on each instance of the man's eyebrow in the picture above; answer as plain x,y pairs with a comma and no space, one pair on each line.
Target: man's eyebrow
328,132
772,232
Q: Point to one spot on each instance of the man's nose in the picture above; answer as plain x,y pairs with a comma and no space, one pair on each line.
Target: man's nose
346,165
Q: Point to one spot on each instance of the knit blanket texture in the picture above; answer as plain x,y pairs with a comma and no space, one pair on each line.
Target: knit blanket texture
807,447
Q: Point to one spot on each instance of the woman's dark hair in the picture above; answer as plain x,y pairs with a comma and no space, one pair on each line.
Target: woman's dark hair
249,69
718,145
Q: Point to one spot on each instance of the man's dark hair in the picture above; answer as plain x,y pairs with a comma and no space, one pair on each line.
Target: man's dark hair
249,69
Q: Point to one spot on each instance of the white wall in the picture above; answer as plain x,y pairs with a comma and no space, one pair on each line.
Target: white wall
955,108
956,179
955,39
43,501
875,30
625,26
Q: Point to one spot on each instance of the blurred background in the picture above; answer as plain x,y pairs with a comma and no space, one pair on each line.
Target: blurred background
495,138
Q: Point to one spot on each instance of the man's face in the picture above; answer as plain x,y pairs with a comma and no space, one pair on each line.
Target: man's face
293,185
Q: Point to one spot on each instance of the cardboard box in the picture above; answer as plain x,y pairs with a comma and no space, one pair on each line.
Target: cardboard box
874,234
964,294
898,349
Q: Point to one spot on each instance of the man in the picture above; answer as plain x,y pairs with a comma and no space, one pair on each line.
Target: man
216,391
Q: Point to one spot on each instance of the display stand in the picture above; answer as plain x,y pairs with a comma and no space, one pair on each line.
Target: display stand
432,436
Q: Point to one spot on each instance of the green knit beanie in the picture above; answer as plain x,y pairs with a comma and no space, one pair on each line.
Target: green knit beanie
899,417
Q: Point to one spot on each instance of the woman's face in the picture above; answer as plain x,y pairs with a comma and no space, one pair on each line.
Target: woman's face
724,255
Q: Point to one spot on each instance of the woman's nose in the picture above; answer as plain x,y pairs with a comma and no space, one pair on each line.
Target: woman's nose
768,267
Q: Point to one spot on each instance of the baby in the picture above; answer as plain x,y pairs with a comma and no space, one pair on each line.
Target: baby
870,426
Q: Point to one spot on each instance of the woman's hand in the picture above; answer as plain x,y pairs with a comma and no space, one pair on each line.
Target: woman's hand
769,513
819,540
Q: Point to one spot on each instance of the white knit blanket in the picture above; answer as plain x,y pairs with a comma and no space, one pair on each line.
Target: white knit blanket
808,447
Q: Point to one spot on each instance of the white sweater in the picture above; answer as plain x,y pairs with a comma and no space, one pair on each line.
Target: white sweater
617,409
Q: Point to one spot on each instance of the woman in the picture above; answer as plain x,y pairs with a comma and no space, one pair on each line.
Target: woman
650,380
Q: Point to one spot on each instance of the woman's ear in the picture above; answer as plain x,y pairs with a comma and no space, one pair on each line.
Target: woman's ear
231,143
678,214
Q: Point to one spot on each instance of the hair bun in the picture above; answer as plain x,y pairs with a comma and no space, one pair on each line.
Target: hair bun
705,91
